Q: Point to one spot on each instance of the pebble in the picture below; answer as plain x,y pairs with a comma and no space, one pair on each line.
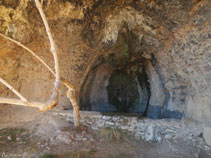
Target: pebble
84,139
106,117
92,140
9,138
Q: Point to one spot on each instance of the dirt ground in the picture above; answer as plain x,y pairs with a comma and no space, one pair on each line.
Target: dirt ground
53,137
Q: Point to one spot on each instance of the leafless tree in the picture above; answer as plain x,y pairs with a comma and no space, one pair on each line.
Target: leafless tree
53,100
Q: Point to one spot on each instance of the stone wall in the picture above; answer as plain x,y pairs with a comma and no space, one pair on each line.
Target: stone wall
144,128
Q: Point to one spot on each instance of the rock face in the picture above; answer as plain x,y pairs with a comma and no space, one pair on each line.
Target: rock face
163,46
207,136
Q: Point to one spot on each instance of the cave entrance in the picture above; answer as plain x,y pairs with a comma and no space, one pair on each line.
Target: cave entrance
124,80
123,91
129,93
133,90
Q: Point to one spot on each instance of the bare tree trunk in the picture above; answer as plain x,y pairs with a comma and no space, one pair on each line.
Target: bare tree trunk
71,96
53,101
53,50
65,82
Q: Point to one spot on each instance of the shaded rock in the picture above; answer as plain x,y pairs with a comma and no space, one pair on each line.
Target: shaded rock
154,112
207,135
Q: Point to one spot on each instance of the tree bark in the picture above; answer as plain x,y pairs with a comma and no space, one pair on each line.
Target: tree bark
53,101
13,90
71,96
63,80
53,50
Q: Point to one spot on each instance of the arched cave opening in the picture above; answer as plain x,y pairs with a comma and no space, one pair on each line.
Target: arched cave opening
136,89
125,91
126,79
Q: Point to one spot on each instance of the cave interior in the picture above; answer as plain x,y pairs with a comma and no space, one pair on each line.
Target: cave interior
126,81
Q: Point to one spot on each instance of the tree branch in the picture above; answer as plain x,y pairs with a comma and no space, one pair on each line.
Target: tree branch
71,96
63,80
70,87
55,94
53,101
20,102
52,43
40,105
29,50
13,90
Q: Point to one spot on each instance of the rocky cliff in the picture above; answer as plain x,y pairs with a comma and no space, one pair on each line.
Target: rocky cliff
144,56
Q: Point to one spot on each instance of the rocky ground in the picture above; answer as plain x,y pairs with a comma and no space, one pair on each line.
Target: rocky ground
51,137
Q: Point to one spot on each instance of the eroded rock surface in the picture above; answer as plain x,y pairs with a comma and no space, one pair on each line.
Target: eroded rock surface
170,40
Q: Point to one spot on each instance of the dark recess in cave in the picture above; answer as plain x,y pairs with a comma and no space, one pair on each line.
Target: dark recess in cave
122,91
127,91
144,82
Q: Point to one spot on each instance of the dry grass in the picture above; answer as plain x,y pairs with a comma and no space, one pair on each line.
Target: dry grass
120,155
112,134
12,133
48,155
84,153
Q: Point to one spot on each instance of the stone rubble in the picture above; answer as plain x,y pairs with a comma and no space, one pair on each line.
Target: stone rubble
143,128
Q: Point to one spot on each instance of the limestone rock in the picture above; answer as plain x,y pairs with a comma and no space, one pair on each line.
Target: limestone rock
151,134
207,135
169,40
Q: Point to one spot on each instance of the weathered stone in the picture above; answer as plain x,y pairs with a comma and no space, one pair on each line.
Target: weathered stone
109,123
207,135
170,40
157,96
115,118
154,112
100,123
171,114
137,135
147,129
106,118
149,133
